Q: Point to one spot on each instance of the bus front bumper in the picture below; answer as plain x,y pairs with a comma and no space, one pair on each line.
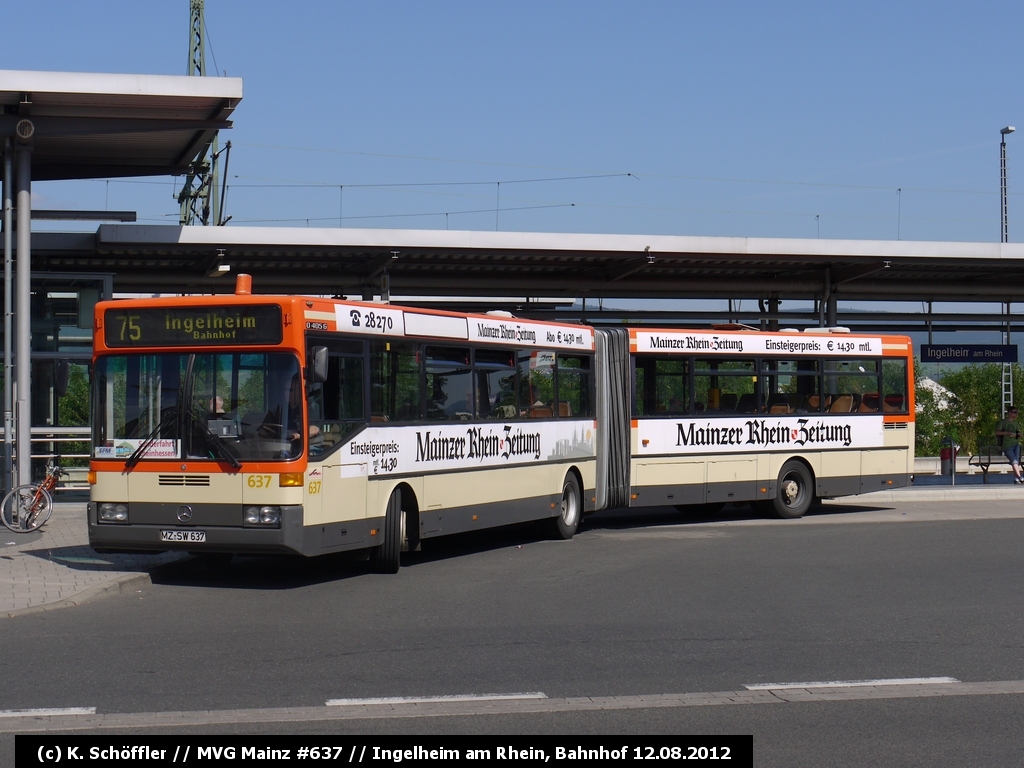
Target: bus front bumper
151,537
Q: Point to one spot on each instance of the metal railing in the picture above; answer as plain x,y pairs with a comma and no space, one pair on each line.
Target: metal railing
47,443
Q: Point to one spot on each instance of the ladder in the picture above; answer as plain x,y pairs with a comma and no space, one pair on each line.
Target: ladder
1007,388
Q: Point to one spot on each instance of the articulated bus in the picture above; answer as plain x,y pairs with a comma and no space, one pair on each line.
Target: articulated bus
268,424
259,424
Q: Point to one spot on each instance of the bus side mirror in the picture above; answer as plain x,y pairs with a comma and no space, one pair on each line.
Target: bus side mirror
61,378
318,365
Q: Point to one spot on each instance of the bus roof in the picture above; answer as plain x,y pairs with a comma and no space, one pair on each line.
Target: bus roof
815,342
372,319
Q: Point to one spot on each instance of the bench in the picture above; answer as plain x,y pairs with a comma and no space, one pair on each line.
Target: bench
986,456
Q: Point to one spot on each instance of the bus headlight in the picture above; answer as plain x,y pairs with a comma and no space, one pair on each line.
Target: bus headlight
113,513
269,517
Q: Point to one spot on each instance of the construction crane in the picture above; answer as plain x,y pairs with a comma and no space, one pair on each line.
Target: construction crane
200,199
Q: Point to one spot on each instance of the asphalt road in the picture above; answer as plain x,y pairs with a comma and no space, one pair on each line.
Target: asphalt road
632,606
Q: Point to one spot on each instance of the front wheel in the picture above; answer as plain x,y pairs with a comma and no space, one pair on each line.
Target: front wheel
26,508
795,491
564,525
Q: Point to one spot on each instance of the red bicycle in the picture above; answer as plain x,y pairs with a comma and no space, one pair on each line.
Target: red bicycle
27,507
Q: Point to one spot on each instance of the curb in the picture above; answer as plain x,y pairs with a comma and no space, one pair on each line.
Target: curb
116,586
939,493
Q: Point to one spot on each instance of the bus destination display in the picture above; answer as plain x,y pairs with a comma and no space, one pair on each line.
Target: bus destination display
185,326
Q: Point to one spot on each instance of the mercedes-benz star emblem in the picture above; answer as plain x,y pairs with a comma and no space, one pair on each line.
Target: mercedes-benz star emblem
184,513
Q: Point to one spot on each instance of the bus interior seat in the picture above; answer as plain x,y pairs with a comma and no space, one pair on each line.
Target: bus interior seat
868,404
778,403
727,402
813,403
856,402
747,404
564,410
378,417
841,404
540,412
893,404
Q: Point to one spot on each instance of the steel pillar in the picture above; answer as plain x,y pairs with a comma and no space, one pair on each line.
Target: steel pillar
23,325
8,458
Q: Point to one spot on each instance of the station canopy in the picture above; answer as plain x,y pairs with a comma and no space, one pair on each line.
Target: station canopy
342,261
88,125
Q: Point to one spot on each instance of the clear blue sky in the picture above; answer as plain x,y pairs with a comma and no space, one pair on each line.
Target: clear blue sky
734,118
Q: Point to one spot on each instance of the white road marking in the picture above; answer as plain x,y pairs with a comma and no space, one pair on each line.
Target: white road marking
47,712
448,707
852,683
436,699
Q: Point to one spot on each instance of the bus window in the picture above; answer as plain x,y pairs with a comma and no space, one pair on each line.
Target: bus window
449,384
537,384
336,405
724,387
662,386
894,385
791,386
850,384
574,398
495,373
394,381
238,406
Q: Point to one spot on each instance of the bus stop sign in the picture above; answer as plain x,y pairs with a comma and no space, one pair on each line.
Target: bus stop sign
968,353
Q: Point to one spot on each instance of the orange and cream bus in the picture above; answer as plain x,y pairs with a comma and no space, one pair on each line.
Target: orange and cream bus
706,417
262,424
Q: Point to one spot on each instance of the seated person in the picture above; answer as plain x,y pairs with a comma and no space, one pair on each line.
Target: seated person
272,428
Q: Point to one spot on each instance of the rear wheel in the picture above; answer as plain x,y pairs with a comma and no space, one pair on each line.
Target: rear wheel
388,556
795,491
564,525
26,508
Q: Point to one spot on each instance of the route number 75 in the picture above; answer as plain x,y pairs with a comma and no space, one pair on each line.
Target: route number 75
132,328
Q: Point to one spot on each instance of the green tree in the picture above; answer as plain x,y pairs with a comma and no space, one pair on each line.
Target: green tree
973,410
73,411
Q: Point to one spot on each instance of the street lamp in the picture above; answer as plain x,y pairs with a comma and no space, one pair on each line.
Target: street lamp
1004,235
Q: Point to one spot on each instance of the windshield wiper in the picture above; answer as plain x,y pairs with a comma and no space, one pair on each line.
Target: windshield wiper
217,446
169,418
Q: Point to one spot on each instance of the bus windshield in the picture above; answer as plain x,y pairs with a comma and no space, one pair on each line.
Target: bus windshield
222,406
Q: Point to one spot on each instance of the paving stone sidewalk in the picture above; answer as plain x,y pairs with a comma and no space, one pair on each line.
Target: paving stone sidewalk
55,567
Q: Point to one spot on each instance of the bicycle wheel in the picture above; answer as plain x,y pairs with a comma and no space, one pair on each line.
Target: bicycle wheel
26,508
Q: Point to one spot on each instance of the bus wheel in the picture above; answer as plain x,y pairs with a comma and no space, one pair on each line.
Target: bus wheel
564,525
387,557
795,490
